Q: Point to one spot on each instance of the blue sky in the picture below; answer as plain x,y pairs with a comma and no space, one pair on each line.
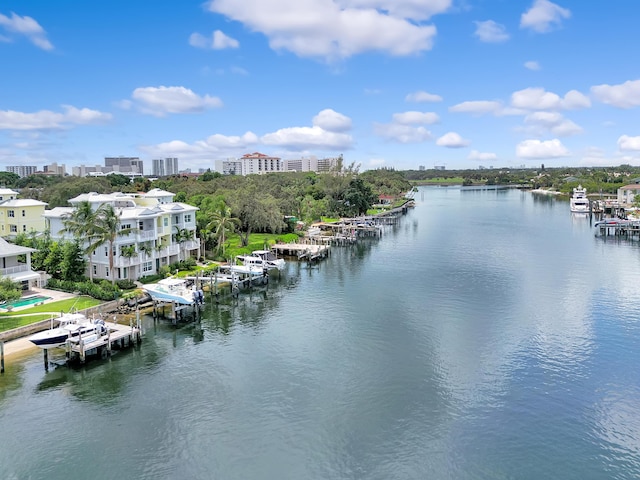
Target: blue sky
393,83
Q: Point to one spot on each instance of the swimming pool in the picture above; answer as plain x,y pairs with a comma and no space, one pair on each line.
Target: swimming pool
23,302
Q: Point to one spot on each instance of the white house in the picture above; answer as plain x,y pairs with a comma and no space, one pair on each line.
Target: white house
19,271
627,194
164,232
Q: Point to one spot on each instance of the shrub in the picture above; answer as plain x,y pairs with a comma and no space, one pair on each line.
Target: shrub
126,284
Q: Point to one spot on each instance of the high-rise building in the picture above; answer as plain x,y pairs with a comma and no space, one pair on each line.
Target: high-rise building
164,166
123,165
55,169
22,170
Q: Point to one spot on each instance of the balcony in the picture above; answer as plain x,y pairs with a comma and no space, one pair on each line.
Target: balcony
17,269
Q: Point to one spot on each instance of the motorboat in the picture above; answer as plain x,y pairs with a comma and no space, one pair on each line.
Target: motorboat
579,203
262,259
177,290
71,326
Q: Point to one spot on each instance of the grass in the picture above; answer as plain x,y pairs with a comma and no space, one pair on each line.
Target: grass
257,241
17,319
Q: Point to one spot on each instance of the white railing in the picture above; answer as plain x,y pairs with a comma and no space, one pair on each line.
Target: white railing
146,235
16,269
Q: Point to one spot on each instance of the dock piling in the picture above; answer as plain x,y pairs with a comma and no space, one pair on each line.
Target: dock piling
1,356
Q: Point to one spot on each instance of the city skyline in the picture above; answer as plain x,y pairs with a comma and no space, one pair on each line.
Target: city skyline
385,83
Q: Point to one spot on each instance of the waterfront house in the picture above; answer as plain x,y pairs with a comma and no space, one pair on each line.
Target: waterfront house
19,215
163,232
627,194
15,263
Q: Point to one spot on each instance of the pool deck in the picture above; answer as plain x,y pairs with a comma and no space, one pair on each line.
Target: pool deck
53,294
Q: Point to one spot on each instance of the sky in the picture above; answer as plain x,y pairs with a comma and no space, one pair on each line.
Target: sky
386,83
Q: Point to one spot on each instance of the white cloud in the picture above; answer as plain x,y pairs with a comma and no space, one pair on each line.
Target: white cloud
332,121
303,138
218,41
48,120
375,163
540,99
537,149
627,143
160,101
532,65
416,118
402,133
422,96
624,95
337,29
543,16
213,146
482,156
553,122
28,27
403,129
452,140
491,32
477,107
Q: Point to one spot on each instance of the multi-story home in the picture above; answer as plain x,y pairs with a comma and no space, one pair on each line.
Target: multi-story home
15,263
162,232
19,215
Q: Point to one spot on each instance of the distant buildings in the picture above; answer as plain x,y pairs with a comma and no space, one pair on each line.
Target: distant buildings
55,169
22,170
259,163
161,167
19,215
130,166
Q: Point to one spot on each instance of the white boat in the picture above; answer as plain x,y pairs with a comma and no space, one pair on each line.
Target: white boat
71,326
174,290
579,203
262,259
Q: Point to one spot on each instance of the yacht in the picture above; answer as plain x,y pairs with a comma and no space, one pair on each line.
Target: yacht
262,259
174,290
70,326
579,203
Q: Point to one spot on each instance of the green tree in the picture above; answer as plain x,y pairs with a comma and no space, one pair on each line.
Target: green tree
107,230
73,263
9,290
222,222
9,179
358,197
81,224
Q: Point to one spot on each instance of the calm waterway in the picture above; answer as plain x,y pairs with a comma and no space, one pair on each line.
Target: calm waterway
490,335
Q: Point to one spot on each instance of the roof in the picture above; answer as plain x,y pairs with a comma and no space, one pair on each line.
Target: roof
635,186
7,191
157,192
58,212
10,250
23,202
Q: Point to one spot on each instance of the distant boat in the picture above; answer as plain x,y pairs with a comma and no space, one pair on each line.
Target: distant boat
262,259
579,203
70,326
174,290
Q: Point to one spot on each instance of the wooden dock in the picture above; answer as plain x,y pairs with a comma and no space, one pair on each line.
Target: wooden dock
116,337
303,251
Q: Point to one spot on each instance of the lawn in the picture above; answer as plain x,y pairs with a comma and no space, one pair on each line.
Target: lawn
24,317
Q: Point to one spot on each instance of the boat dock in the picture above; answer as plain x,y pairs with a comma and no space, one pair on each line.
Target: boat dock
117,337
303,251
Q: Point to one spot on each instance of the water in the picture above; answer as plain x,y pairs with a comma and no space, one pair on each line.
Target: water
25,301
489,335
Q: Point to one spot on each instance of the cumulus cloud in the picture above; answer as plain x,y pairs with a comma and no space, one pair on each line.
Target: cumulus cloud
160,101
452,140
477,107
482,156
338,29
624,95
553,122
627,143
218,41
416,118
406,127
332,121
327,133
48,120
538,149
532,65
27,26
491,32
214,146
543,16
540,99
422,96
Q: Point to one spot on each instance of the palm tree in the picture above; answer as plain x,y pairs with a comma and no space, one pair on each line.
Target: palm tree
222,222
107,230
80,223
181,236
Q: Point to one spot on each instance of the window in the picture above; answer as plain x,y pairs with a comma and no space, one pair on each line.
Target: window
13,228
11,213
95,269
23,213
166,222
106,251
147,266
24,228
124,226
187,218
141,226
